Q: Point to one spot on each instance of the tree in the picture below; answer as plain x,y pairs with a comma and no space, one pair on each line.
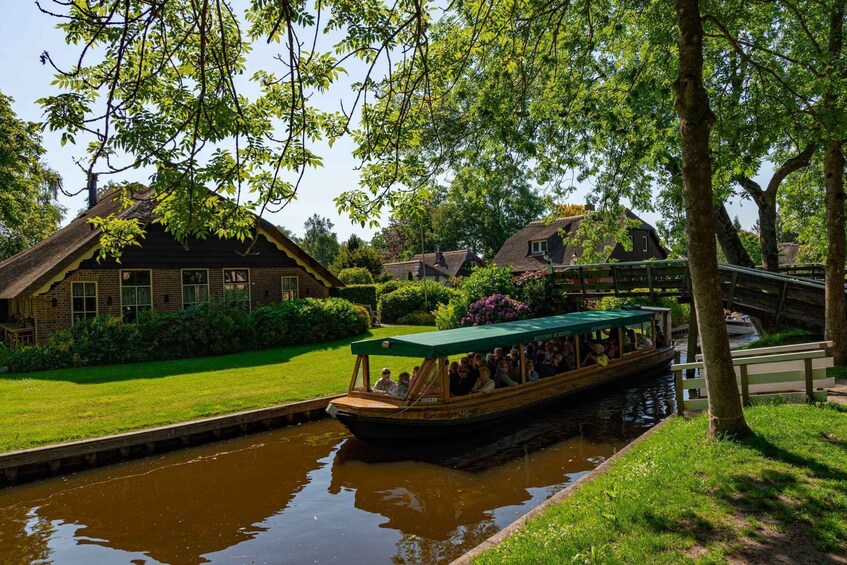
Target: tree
319,240
355,253
29,211
696,120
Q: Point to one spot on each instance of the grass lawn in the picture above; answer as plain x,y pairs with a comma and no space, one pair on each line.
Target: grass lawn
786,337
69,404
780,496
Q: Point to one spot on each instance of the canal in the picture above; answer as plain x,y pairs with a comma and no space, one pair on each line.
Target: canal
313,494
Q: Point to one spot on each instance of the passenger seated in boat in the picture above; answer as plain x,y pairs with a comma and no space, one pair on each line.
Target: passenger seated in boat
385,385
484,383
612,350
531,374
463,383
402,385
628,341
597,356
502,378
559,363
546,369
644,342
415,370
569,356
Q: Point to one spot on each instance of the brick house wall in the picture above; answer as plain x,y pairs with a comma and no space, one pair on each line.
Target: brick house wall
52,310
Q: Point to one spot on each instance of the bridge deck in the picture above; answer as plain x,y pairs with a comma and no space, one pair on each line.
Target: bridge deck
785,298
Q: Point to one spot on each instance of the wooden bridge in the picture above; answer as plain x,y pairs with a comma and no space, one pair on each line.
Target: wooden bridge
787,299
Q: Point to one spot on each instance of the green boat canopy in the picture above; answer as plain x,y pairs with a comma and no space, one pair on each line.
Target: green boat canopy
432,345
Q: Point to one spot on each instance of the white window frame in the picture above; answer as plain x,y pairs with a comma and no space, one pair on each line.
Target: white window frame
249,300
136,305
296,288
538,246
84,311
185,306
644,243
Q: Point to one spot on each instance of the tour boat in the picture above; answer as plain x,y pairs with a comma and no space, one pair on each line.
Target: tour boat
428,409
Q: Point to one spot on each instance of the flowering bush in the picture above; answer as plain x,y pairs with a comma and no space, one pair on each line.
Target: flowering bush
495,309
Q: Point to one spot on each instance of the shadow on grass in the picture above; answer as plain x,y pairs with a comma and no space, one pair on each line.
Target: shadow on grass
786,507
160,369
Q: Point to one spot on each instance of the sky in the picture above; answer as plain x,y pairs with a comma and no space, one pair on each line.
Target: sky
25,33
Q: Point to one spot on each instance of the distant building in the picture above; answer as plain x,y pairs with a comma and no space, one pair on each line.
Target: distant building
440,266
59,281
525,251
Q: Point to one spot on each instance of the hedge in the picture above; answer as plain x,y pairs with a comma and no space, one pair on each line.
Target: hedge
359,294
207,330
355,275
418,297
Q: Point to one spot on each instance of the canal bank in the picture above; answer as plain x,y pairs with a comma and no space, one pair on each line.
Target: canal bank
311,493
31,464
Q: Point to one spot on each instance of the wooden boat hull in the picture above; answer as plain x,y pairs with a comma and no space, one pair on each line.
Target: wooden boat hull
374,419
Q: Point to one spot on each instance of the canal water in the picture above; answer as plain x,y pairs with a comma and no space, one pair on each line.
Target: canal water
313,494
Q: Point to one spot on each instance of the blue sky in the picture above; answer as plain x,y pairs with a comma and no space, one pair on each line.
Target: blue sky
25,33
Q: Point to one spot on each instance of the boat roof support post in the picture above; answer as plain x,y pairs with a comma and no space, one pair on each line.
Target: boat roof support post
418,385
523,365
578,348
355,374
620,343
366,366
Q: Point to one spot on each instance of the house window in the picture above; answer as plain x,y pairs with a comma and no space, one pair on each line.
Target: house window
632,237
195,287
290,288
136,294
539,246
644,243
83,301
237,288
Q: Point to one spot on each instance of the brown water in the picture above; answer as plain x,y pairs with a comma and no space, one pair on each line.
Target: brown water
313,494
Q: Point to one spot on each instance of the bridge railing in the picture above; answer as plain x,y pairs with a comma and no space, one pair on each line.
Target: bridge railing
792,377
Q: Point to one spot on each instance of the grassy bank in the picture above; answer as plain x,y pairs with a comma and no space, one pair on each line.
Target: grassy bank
678,497
57,406
787,337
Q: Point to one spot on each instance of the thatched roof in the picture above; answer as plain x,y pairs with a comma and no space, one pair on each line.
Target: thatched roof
32,268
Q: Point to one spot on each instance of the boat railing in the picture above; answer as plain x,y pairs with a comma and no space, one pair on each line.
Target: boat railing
794,376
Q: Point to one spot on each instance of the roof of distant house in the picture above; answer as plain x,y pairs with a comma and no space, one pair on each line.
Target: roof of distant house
37,266
516,250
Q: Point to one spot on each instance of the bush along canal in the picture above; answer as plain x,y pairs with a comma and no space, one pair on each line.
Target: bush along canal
311,493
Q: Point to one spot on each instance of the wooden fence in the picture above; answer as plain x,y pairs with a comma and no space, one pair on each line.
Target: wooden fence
790,375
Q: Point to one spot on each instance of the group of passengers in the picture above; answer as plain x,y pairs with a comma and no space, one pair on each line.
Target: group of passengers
499,369
404,382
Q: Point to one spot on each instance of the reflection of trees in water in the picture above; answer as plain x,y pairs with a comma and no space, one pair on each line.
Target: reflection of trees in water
416,549
23,536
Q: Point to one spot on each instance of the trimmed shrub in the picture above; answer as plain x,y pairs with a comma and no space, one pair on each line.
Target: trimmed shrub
417,319
359,294
38,358
213,329
419,297
5,353
538,295
355,275
495,309
389,286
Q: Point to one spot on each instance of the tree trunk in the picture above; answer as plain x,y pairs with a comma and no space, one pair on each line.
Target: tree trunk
696,119
836,308
729,240
833,168
767,231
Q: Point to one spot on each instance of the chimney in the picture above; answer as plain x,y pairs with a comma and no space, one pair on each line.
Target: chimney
92,190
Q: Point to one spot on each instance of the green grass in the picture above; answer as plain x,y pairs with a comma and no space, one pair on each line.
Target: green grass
679,497
70,404
786,337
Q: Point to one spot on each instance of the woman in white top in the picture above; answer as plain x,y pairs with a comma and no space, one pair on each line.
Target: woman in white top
484,383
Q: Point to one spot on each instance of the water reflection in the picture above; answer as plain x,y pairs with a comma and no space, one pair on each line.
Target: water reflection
313,494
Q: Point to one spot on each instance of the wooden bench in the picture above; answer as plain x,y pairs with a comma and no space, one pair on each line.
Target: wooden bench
792,376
